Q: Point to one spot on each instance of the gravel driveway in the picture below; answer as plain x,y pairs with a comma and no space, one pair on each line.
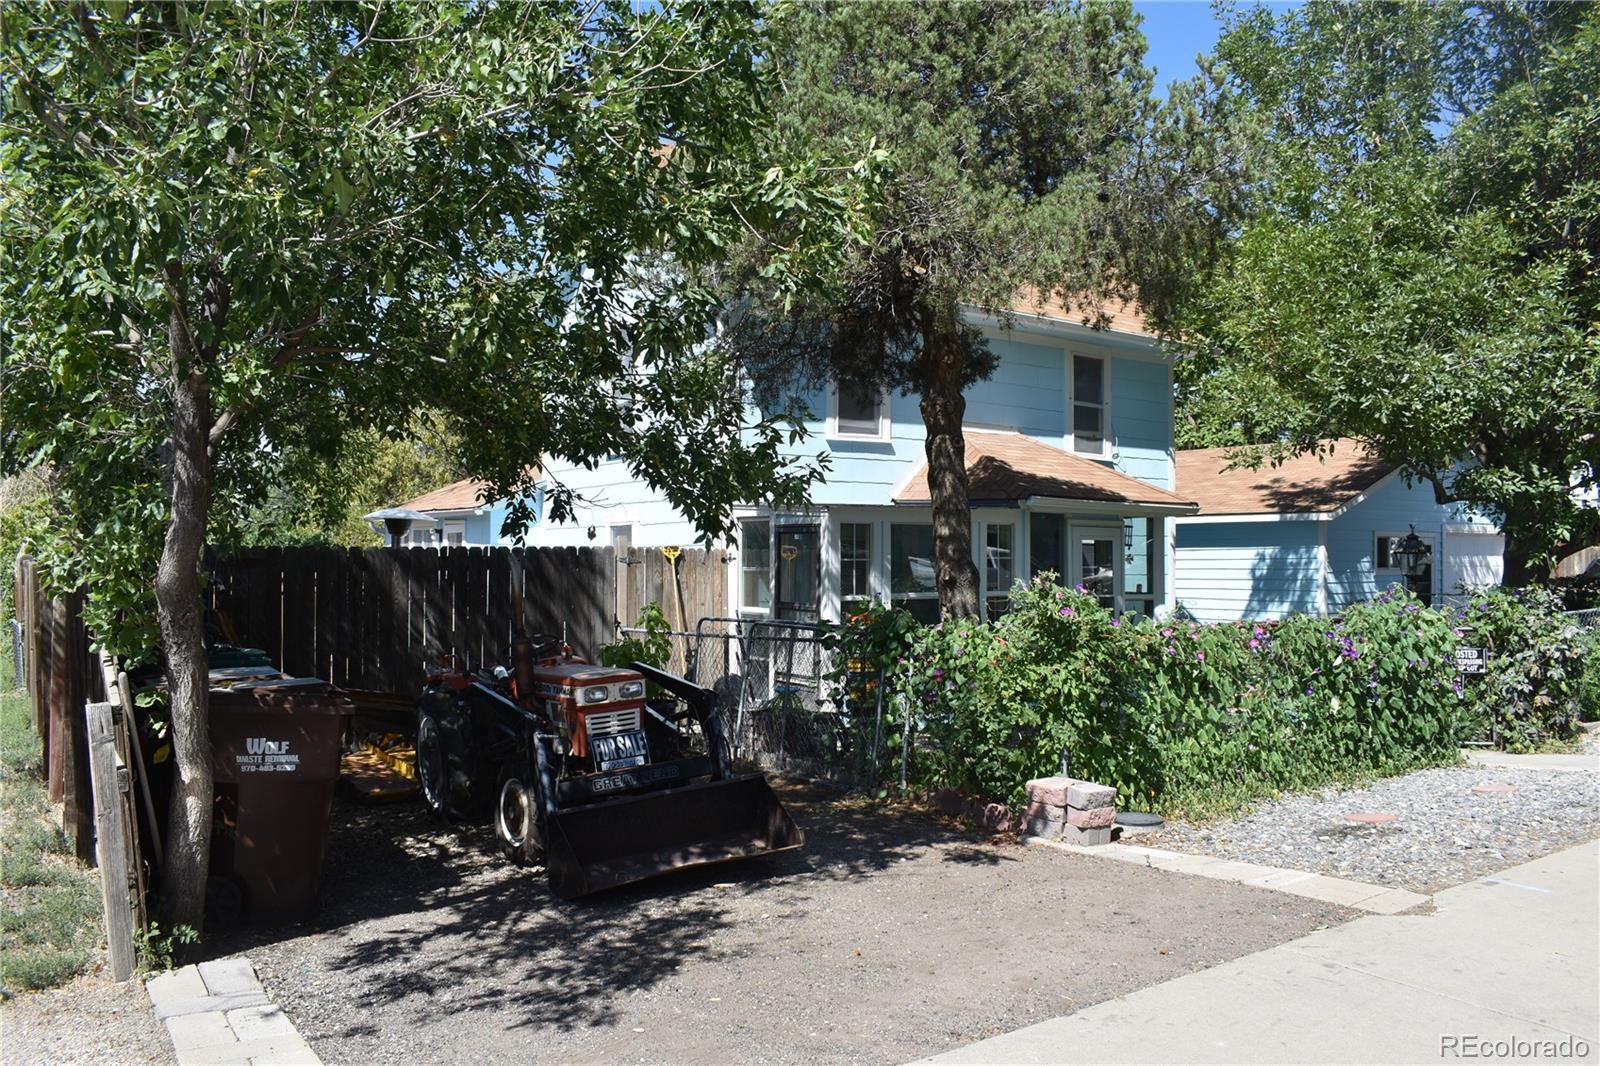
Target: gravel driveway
885,939
1446,833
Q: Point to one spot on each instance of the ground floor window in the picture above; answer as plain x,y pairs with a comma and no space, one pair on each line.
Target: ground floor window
912,585
755,564
1389,570
855,563
999,567
1139,565
1047,544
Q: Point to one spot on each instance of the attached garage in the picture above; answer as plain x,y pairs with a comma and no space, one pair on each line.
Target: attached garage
1315,535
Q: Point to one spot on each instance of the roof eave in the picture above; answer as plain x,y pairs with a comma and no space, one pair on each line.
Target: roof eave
1140,507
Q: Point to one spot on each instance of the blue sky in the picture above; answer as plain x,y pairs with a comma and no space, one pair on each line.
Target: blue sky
1178,30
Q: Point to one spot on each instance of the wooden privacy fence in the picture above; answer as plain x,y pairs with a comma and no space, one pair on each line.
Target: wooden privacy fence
688,584
59,675
363,618
375,618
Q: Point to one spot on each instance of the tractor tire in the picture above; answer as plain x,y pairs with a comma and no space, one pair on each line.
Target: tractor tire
517,821
433,772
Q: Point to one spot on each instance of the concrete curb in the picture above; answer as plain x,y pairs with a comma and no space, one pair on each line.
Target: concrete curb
1375,899
218,1013
1506,760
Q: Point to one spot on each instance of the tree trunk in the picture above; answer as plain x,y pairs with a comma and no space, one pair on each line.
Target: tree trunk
943,407
179,608
1520,567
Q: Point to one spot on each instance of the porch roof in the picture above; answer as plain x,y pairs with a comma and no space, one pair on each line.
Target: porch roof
1009,468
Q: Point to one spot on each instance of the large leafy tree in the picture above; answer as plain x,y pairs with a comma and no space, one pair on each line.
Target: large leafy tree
235,233
1421,271
1026,157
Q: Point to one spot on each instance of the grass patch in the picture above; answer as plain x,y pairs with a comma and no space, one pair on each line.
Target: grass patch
50,918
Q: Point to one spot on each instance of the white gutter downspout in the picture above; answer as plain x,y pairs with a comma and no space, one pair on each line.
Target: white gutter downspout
1322,568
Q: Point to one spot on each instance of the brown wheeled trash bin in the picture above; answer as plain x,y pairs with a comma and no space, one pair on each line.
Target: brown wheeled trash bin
275,749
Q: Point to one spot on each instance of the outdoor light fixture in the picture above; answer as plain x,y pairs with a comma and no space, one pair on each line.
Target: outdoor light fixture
1411,552
1127,542
396,521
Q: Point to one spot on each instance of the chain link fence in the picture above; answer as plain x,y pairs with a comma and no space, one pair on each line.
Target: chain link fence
783,706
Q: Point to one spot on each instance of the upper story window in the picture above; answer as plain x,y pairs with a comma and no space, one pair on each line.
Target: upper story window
858,412
1089,405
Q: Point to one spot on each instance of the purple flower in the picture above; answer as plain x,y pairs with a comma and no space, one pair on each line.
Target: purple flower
938,675
1067,612
1166,631
1199,656
1172,649
1255,644
1116,621
1310,691
1081,587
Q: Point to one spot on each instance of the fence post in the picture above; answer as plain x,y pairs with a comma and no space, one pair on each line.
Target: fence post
111,842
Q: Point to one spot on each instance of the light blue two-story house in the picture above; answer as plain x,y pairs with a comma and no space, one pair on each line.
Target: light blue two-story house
1070,456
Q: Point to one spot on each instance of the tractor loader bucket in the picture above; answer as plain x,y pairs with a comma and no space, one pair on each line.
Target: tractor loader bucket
613,842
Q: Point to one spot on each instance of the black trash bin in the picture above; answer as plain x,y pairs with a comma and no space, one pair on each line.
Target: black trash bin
275,749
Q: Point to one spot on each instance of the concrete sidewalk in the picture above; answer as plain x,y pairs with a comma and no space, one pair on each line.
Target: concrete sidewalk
1511,957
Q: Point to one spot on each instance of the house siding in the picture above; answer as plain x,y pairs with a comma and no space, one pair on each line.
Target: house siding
1390,507
1228,571
1266,569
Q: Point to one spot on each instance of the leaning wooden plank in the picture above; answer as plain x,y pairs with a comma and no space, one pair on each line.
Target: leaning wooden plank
111,844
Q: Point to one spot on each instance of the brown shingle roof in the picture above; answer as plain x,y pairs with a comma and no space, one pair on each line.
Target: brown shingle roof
1304,483
1121,316
1009,466
463,495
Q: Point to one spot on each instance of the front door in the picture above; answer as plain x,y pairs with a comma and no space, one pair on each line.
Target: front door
799,567
1096,558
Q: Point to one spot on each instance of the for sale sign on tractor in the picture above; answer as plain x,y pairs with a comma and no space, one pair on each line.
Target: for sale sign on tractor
1472,661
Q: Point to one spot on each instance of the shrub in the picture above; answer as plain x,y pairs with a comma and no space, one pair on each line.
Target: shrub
1542,667
1178,715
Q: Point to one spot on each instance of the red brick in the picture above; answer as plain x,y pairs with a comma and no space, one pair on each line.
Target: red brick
1051,790
1096,818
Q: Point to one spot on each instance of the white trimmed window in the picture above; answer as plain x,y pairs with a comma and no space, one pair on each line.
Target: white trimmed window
455,531
755,564
999,567
855,561
857,412
1089,407
912,584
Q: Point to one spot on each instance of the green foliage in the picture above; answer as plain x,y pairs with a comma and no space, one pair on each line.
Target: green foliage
1543,667
1201,718
654,646
49,920
1419,269
1025,158
321,501
322,218
158,949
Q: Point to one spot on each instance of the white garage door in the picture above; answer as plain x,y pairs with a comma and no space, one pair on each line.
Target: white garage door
1471,560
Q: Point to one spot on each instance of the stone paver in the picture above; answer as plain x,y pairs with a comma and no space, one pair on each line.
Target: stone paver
1374,898
218,1013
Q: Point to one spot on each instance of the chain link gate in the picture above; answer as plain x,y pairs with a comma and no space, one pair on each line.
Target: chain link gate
782,708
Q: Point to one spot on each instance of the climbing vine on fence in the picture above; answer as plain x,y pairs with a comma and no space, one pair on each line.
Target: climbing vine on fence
1200,718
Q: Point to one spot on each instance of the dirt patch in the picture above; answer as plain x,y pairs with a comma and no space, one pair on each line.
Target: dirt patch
88,1020
886,939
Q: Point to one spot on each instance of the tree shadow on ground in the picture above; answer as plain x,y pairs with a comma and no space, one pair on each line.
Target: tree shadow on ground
436,917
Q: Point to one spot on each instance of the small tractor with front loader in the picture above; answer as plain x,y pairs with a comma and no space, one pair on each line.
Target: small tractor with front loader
582,769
